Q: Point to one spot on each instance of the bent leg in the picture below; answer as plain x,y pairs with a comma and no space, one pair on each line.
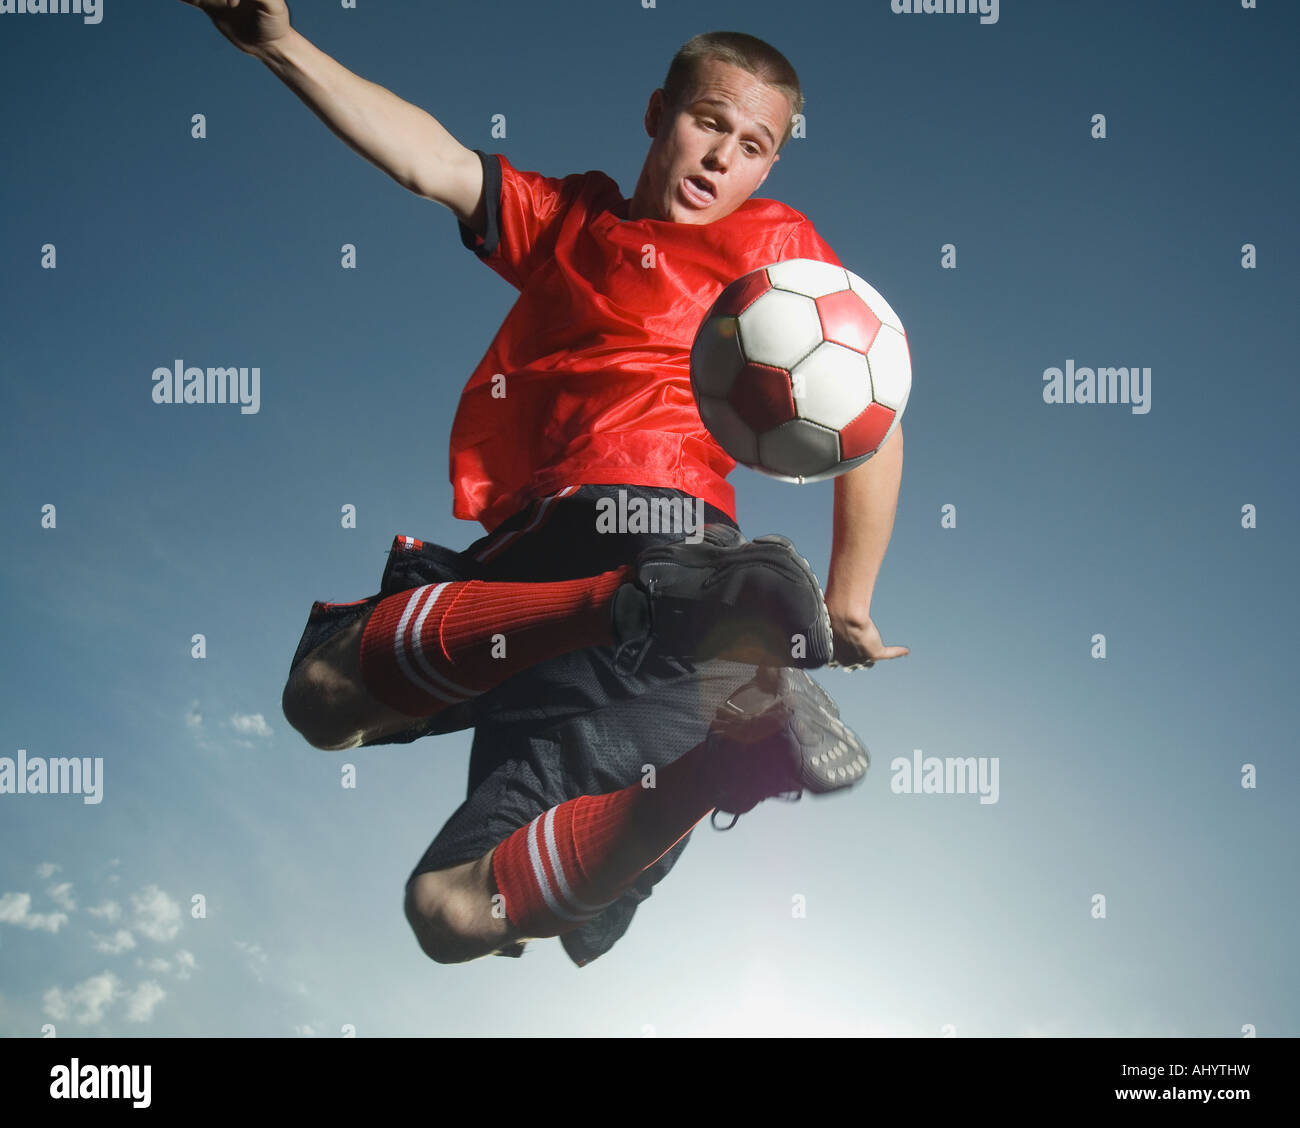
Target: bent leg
440,645
456,913
425,651
326,700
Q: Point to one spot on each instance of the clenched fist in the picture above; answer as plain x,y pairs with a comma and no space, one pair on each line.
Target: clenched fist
251,25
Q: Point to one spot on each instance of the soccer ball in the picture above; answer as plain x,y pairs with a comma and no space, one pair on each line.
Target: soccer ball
801,370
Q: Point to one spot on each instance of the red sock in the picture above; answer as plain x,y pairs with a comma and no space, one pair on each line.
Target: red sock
570,862
433,646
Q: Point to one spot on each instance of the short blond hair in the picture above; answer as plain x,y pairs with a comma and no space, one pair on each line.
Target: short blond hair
748,52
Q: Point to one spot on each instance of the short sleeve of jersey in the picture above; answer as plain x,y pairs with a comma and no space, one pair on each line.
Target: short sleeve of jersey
524,210
804,242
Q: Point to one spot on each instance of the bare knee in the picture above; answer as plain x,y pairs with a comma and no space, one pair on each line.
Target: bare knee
316,702
326,700
454,915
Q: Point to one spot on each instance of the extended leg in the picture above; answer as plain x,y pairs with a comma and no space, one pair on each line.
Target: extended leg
778,734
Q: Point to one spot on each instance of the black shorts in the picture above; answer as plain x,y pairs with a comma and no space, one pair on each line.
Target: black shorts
572,725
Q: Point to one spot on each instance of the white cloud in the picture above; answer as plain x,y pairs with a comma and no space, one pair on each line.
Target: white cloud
89,999
141,1002
257,958
121,941
109,910
155,915
186,964
183,966
47,870
61,895
16,908
253,724
194,719
305,1030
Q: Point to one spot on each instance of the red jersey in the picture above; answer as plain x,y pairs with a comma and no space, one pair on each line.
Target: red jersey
591,367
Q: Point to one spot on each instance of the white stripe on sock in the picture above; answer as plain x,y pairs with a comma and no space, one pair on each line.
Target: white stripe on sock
539,873
399,649
565,891
417,649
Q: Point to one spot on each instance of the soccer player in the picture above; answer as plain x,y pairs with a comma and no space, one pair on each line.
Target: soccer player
621,683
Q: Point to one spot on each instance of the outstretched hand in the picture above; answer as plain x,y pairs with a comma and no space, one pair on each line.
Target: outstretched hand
251,25
857,642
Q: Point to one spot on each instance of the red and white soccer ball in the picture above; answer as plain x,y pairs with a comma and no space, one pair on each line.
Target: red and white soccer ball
801,370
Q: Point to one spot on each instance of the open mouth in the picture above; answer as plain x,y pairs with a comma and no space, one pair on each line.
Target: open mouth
698,191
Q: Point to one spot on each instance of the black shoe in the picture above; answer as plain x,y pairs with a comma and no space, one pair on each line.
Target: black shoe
749,601
781,735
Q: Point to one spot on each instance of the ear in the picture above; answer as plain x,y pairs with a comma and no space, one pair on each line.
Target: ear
654,112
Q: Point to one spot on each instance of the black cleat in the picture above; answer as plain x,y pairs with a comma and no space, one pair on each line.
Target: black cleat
749,601
781,735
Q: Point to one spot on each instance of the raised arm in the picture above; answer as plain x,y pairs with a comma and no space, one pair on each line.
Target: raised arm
398,138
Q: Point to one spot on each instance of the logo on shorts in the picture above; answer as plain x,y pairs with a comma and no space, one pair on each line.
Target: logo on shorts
677,515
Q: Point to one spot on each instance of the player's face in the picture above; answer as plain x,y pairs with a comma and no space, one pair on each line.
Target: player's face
710,156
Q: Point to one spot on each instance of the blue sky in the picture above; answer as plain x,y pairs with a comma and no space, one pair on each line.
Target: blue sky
1118,776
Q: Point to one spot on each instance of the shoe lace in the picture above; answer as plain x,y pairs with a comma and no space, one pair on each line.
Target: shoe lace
630,655
785,797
